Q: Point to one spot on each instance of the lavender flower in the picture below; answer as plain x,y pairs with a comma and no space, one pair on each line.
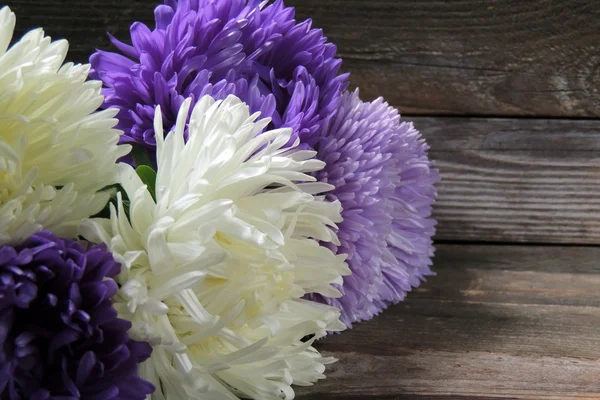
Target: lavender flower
59,334
384,180
287,71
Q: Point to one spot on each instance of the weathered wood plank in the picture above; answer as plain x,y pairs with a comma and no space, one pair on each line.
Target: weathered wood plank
557,259
525,180
474,57
468,374
497,321
493,57
496,309
83,23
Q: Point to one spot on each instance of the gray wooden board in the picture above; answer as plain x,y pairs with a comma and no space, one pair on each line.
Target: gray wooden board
498,321
83,23
474,57
516,180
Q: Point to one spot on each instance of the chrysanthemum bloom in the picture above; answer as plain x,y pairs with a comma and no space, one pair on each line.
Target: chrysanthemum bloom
385,183
216,267
55,152
287,71
60,337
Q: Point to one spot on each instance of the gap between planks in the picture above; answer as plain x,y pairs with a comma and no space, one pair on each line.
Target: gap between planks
503,321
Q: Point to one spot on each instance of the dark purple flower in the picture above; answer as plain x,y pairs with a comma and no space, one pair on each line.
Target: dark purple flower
287,71
60,337
384,180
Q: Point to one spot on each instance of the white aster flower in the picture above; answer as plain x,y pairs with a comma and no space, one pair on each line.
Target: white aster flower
55,152
215,269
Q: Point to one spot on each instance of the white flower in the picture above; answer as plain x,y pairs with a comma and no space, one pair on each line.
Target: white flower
55,152
214,271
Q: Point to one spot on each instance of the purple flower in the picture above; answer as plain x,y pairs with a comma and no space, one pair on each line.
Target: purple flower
384,180
60,337
287,71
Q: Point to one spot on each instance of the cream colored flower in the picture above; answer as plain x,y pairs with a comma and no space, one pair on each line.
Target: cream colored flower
214,271
56,153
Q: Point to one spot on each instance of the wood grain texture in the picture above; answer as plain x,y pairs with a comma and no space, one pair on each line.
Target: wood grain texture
511,322
84,23
516,180
475,57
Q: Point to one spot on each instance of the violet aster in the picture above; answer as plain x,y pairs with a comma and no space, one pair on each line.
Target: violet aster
384,181
248,48
60,337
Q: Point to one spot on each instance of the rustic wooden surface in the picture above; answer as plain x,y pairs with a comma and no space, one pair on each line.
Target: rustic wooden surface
474,57
469,57
507,93
516,180
83,23
498,321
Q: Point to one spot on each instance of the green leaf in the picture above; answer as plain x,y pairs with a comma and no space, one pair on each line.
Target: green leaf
140,157
148,176
112,191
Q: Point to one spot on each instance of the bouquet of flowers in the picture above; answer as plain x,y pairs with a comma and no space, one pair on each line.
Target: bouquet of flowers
187,216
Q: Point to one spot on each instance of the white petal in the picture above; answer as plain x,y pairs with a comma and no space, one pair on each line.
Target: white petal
52,132
216,268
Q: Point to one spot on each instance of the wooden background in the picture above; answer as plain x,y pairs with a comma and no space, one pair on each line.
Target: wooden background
508,95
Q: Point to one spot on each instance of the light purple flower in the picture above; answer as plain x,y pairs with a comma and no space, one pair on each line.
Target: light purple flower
384,180
287,71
